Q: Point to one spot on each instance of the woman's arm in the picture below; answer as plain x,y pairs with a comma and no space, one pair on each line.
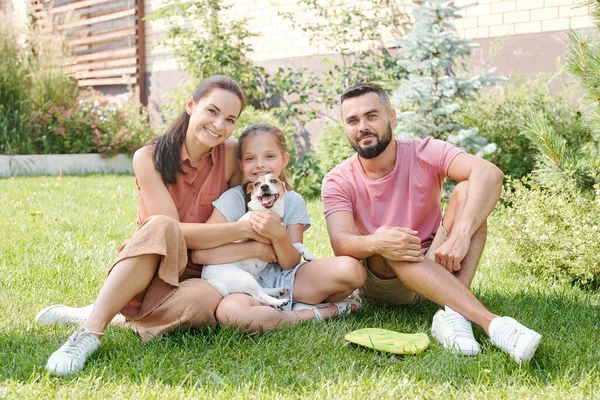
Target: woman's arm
233,252
158,201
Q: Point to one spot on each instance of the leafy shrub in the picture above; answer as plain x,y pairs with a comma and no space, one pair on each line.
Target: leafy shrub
14,103
499,114
332,147
307,178
97,124
554,232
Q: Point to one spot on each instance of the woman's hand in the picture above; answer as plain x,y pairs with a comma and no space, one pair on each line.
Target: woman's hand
265,252
268,224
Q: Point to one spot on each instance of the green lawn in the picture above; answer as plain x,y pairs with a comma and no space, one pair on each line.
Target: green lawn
59,235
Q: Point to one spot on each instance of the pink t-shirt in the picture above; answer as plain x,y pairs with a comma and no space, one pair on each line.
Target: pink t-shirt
407,197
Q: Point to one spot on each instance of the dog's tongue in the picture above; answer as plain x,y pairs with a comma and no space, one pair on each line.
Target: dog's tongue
268,203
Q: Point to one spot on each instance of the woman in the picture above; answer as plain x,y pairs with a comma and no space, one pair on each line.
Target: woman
151,283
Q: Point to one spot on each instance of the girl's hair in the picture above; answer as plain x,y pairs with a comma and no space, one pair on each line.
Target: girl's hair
167,152
255,129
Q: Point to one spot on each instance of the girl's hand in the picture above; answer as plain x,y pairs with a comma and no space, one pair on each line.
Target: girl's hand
251,234
265,252
268,224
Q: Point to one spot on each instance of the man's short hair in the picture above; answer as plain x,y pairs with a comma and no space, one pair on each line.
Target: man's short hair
366,87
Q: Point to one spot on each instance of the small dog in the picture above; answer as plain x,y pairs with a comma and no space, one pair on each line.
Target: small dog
267,193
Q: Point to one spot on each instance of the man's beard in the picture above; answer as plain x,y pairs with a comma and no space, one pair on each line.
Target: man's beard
373,151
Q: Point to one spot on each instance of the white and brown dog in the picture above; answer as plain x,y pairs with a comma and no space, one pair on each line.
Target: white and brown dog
267,193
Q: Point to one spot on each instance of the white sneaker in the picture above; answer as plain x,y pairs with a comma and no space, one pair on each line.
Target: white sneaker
59,314
454,332
513,338
71,356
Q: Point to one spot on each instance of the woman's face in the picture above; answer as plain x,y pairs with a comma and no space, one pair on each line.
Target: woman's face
262,155
213,117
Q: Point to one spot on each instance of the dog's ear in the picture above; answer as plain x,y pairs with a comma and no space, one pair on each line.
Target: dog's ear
248,187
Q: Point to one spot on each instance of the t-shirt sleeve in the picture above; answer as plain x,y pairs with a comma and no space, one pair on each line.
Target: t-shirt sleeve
438,154
232,204
334,195
295,211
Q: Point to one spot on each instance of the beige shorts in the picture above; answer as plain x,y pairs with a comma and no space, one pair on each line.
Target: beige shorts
392,291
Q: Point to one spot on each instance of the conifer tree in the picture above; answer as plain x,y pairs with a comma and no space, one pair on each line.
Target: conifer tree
431,89
563,163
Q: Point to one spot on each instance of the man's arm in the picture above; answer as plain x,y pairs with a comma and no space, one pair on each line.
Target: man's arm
484,185
398,244
483,191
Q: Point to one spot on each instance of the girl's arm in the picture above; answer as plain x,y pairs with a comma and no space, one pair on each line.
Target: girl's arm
158,201
268,224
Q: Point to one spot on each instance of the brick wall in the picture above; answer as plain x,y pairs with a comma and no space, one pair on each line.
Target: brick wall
494,18
278,40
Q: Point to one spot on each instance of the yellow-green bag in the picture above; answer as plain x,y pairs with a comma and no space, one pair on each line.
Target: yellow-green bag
389,341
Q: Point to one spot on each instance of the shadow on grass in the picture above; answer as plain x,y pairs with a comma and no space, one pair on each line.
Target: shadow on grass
300,359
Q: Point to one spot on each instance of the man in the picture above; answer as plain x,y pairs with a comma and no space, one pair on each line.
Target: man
382,206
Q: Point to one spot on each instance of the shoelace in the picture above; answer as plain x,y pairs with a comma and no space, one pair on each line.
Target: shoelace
79,342
506,336
460,325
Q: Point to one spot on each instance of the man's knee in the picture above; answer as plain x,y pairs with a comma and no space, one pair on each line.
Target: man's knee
380,267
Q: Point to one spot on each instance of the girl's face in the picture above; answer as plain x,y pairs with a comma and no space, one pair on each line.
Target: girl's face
262,155
213,117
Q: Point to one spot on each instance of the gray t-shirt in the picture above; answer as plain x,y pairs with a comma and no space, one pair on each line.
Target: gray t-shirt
232,204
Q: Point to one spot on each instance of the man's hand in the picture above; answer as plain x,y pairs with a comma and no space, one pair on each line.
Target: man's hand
451,253
268,224
398,244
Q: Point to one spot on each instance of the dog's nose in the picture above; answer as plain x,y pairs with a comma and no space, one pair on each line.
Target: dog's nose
264,187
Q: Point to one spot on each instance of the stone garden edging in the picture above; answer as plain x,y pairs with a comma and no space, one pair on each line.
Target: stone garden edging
67,164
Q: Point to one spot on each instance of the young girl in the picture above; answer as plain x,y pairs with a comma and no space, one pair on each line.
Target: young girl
262,150
151,283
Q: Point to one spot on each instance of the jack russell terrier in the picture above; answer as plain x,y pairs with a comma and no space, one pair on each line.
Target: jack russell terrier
267,193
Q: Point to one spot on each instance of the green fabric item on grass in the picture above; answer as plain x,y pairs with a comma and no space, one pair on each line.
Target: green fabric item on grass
389,341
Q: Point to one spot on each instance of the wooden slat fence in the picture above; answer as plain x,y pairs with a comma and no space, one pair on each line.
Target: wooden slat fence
106,38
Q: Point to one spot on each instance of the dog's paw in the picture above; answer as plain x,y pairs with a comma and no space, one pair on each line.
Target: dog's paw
281,304
283,292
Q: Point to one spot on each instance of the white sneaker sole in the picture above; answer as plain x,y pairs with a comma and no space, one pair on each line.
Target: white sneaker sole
44,316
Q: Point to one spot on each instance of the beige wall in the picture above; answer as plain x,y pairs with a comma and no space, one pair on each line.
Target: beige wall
493,18
279,40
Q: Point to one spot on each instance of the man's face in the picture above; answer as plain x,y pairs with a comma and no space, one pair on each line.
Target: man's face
368,124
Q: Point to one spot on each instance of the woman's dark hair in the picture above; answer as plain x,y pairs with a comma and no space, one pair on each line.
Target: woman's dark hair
167,151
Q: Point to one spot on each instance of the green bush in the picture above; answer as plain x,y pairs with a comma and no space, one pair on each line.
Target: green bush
332,147
97,124
14,102
553,232
498,113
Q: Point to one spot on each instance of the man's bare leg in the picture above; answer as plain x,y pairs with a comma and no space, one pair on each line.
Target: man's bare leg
435,283
471,260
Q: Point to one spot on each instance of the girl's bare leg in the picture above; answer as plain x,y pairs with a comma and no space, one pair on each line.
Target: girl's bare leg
244,312
330,279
